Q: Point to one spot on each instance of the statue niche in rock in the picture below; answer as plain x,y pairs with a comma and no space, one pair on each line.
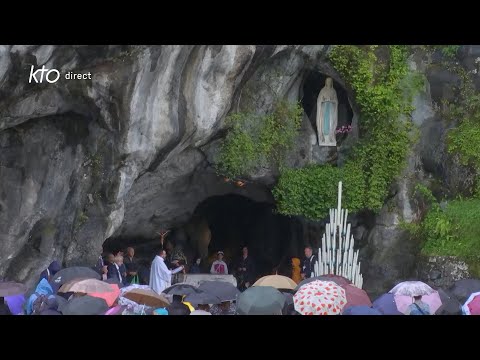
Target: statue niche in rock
327,114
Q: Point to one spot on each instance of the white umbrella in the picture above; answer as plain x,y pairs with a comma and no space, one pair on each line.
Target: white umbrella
412,288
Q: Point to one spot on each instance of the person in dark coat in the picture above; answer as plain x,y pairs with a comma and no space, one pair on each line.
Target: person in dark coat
195,269
50,272
308,263
177,307
113,271
245,270
4,309
130,265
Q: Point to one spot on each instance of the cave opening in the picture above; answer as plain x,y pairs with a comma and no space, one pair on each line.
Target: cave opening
313,83
235,221
231,221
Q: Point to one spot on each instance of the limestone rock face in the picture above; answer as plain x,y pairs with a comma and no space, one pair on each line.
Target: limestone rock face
130,151
125,152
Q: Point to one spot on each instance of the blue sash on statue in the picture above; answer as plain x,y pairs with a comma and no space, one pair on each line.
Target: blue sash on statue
326,118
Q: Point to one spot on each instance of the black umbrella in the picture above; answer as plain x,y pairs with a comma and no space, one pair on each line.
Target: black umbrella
222,289
181,289
61,301
202,297
72,273
260,300
10,288
50,312
84,305
462,289
450,305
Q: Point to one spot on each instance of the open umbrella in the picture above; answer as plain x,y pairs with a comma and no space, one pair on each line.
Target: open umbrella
386,305
450,305
84,305
412,288
180,289
260,300
86,286
276,281
222,289
113,281
9,288
116,310
356,296
15,303
72,273
50,312
147,297
339,280
361,310
110,297
320,298
433,300
202,297
472,305
462,289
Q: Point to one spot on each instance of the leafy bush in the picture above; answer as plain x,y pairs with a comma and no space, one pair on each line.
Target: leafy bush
312,191
454,231
257,140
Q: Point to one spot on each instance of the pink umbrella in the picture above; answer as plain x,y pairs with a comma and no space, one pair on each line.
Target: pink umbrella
116,310
472,305
356,296
433,300
109,297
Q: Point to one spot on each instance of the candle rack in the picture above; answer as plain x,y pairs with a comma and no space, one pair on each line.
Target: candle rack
337,255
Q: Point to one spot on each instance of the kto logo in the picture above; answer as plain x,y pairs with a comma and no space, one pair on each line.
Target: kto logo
51,78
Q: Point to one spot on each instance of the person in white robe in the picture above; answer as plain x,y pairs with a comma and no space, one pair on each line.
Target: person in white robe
160,275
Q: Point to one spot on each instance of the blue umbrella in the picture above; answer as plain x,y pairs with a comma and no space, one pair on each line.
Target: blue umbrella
15,303
386,305
361,310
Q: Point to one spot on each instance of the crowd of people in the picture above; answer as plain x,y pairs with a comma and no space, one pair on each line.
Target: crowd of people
123,269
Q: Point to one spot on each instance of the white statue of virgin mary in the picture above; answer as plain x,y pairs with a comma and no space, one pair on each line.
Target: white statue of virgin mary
327,114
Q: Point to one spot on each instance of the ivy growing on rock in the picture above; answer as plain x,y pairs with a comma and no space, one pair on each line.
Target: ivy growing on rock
383,86
449,230
464,112
255,140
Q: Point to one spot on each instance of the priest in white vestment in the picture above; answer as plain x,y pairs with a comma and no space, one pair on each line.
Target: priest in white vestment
160,275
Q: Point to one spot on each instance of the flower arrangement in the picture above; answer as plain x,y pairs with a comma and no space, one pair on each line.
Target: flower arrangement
239,183
343,129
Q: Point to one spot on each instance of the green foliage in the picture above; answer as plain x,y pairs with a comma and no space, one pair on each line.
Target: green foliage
449,51
426,194
82,218
454,231
464,112
465,140
257,140
383,87
312,191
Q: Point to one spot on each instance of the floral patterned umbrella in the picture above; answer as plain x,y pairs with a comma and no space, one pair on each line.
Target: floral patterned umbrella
320,298
412,288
